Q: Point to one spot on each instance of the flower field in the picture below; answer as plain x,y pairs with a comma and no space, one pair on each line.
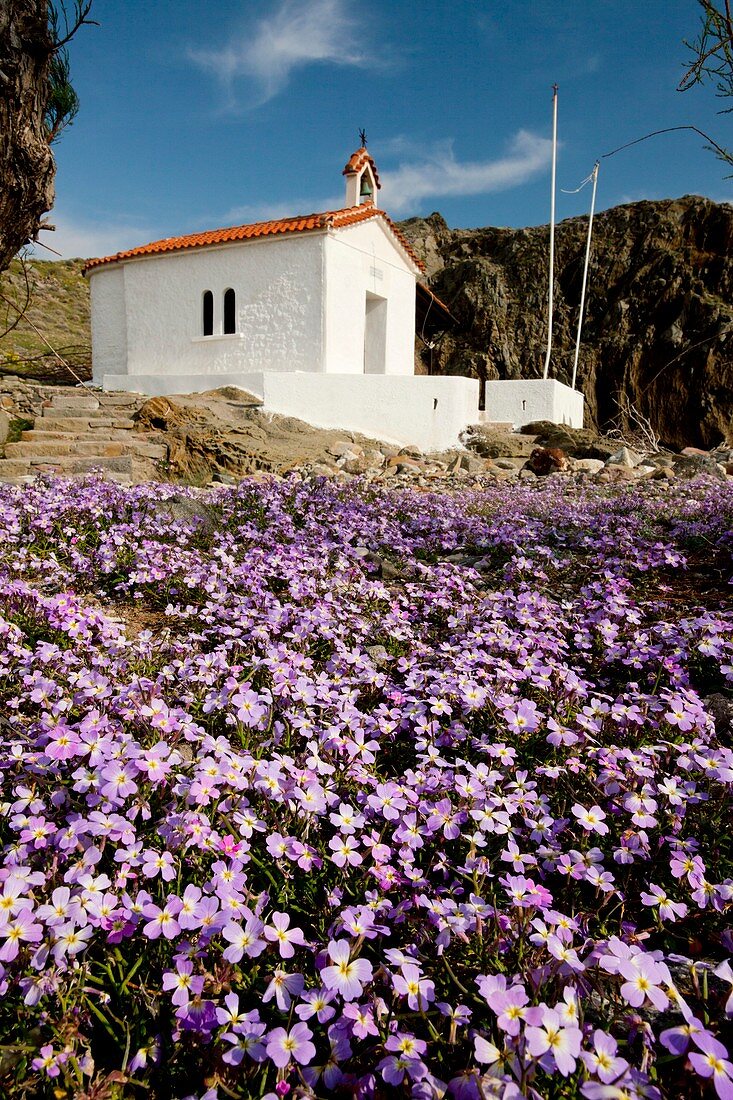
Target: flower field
315,790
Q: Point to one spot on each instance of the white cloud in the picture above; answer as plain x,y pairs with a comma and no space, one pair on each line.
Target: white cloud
431,174
438,174
299,33
86,238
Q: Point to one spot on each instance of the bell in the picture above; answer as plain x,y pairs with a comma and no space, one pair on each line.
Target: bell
366,191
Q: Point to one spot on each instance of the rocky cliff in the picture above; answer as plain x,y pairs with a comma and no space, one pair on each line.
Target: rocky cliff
658,334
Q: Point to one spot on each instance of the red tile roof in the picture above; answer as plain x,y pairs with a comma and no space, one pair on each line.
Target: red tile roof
357,161
332,219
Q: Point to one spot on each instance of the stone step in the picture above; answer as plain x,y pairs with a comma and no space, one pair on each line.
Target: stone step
54,423
13,467
86,449
77,403
82,412
103,435
107,399
23,479
75,465
118,469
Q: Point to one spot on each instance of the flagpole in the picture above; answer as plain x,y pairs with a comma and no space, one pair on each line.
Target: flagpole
552,232
585,270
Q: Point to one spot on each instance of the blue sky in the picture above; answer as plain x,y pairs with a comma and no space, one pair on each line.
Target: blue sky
199,114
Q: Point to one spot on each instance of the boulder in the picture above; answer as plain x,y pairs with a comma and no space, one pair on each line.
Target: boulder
624,457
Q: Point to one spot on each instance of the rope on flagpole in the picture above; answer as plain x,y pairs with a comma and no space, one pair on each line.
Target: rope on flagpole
593,176
552,233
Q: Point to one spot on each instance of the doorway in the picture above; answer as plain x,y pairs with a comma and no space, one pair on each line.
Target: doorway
375,335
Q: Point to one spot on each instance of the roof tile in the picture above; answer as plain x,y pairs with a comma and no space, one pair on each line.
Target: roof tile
300,224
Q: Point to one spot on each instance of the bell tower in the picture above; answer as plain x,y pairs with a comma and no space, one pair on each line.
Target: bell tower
362,178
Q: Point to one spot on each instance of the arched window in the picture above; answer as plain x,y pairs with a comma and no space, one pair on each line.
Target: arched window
230,311
208,313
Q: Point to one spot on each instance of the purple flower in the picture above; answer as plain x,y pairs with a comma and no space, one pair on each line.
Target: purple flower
291,1046
552,1038
347,976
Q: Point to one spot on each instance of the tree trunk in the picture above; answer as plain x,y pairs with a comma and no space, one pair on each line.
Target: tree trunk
26,163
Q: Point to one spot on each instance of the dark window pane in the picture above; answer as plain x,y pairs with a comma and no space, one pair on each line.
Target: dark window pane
230,310
208,313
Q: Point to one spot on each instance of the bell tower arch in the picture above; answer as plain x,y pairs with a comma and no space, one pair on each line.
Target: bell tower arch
362,178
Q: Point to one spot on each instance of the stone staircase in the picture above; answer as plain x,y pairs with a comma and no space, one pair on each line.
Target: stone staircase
79,431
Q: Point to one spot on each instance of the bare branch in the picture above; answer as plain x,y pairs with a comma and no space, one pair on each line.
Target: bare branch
13,307
58,14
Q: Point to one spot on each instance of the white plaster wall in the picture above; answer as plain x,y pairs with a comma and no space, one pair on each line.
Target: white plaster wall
109,328
427,411
430,412
279,287
362,258
520,401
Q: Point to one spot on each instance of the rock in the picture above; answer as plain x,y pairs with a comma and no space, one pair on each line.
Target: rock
378,654
344,449
490,443
624,457
589,465
692,465
320,469
404,463
355,464
662,473
617,473
411,451
547,460
721,708
4,428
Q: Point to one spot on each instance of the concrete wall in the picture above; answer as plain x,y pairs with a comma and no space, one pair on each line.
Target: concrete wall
362,259
279,288
520,401
429,412
109,322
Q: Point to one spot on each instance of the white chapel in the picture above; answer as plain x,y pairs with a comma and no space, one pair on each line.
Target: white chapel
315,314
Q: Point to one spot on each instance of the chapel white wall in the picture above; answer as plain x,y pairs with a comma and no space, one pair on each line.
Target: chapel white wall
279,288
361,259
109,323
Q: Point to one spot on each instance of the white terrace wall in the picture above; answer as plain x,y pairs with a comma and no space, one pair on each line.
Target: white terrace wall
362,260
519,401
279,288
